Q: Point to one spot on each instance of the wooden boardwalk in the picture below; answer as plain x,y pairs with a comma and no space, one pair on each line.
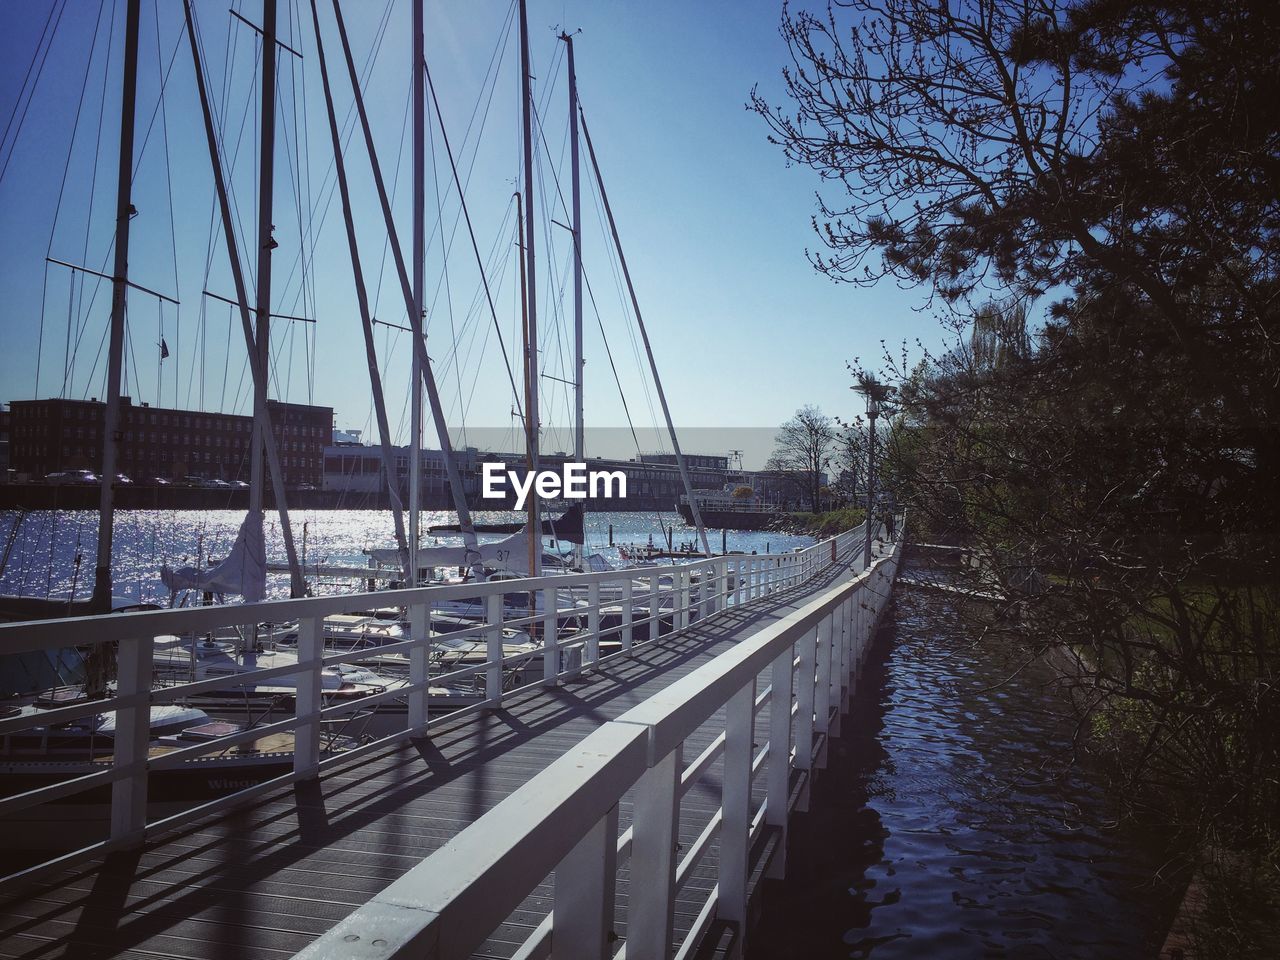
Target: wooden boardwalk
264,881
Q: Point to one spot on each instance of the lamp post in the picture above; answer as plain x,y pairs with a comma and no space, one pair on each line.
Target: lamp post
876,394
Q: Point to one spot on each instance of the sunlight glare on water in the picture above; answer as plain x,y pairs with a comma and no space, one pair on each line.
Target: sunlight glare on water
42,561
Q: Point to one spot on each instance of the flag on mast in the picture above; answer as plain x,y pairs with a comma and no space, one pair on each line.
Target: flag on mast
164,349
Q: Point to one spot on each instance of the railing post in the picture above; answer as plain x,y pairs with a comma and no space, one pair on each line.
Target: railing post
779,784
860,621
655,830
655,610
419,666
706,583
682,598
822,692
306,743
550,636
805,701
133,734
737,582
833,683
846,653
493,636
593,623
735,825
626,614
582,913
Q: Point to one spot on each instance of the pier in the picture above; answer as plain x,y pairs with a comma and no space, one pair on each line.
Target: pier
623,802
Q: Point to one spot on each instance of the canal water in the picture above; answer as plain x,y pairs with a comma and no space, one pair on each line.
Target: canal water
42,561
950,824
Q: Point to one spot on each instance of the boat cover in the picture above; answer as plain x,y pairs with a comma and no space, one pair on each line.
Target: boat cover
243,572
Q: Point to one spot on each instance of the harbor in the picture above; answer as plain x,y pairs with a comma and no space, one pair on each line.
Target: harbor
606,481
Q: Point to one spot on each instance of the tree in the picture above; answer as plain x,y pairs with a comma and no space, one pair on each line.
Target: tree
1117,466
850,460
802,451
991,143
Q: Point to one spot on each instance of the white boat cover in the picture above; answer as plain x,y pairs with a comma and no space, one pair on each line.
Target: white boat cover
243,572
509,553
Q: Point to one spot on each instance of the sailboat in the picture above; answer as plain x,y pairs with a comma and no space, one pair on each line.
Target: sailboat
45,754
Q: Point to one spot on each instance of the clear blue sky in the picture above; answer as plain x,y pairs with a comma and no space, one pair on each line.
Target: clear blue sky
714,224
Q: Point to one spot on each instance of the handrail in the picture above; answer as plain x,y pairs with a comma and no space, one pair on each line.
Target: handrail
564,822
571,631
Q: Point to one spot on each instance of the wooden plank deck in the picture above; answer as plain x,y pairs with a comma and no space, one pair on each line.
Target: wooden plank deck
265,880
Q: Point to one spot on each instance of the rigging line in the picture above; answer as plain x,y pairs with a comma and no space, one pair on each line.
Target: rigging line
44,298
475,246
494,70
168,176
299,202
496,263
35,55
625,311
550,301
229,165
296,32
299,265
81,318
66,349
164,82
475,379
132,366
490,83
288,379
44,58
75,127
226,356
88,383
444,253
596,309
328,189
395,186
251,102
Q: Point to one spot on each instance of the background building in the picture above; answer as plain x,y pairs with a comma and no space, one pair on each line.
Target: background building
355,474
47,436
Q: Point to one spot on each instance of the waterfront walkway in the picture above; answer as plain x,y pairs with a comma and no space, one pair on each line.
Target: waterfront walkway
265,880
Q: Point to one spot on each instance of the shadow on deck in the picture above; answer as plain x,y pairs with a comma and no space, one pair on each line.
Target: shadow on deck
265,880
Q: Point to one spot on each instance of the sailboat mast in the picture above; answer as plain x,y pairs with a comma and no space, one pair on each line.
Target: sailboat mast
261,414
648,349
531,284
579,439
111,433
266,204
419,254
456,488
262,327
532,511
407,561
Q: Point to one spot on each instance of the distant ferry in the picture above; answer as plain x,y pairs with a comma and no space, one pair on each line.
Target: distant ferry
722,510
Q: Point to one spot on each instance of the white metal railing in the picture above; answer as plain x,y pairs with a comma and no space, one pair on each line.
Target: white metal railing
564,822
578,612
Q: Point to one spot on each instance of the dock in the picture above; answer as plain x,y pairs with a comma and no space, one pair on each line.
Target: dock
272,876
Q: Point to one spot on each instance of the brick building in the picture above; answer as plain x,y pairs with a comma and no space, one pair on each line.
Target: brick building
58,434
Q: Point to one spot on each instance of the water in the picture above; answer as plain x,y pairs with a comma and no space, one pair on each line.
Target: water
42,562
949,825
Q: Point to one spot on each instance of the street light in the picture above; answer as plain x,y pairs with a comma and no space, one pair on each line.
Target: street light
876,393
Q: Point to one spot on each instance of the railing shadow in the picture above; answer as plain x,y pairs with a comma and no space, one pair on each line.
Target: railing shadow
253,844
